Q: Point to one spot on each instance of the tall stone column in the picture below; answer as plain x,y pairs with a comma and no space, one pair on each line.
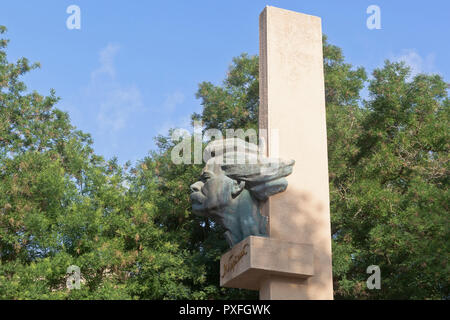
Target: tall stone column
292,104
294,262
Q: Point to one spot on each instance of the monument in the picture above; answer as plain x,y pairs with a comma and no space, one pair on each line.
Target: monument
276,210
232,192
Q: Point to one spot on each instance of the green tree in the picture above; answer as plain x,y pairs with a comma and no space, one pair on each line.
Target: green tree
199,237
234,104
392,208
62,205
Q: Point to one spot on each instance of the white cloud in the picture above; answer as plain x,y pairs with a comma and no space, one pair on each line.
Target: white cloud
173,100
174,121
114,101
417,63
106,60
116,107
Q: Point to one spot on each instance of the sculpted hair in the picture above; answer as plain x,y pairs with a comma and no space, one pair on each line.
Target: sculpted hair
241,161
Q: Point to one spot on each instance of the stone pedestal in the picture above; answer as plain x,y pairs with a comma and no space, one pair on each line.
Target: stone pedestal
253,260
292,105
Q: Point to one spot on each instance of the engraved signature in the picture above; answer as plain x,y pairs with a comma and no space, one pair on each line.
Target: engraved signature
233,260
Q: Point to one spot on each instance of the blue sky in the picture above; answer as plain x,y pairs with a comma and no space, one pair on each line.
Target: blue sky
132,70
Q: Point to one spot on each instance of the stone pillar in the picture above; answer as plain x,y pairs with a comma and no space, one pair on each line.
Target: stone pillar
294,262
292,104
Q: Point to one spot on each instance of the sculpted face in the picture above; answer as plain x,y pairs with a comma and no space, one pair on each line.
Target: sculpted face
213,192
231,193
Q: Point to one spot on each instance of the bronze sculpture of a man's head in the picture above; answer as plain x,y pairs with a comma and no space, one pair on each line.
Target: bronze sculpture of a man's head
233,185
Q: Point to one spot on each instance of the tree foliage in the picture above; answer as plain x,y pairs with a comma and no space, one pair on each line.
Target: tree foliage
130,228
390,205
62,205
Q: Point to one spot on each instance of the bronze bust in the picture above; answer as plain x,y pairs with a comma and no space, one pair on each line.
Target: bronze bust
233,185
